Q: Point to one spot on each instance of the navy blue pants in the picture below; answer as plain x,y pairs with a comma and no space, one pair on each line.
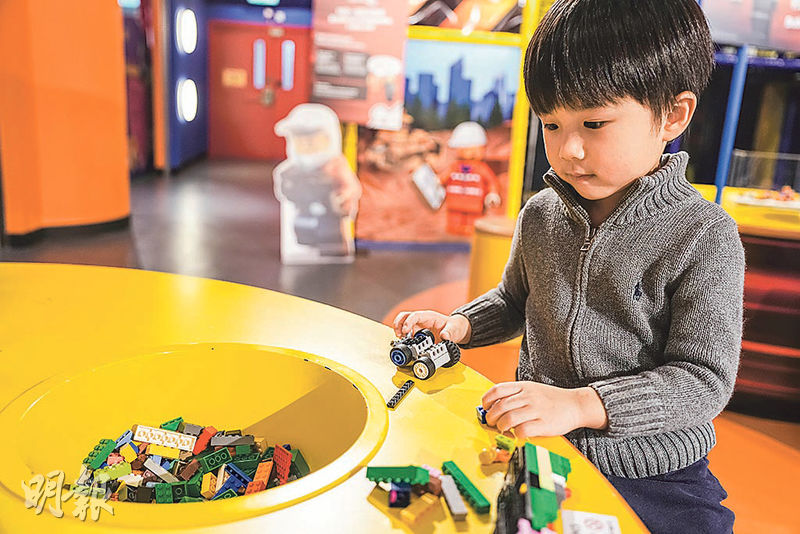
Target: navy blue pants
686,501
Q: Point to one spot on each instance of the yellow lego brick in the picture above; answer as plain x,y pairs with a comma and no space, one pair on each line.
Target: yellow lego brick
545,469
421,506
164,452
261,443
208,486
128,453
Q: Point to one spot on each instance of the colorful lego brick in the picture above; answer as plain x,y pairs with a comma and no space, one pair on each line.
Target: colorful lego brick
178,491
172,424
299,466
125,438
255,486
419,508
193,485
472,495
503,456
400,495
189,470
212,461
167,438
247,462
263,472
99,454
504,442
243,449
453,498
185,455
128,453
190,429
144,494
163,493
112,472
131,480
159,471
165,452
397,397
209,485
283,463
188,498
227,494
408,474
202,440
235,472
481,413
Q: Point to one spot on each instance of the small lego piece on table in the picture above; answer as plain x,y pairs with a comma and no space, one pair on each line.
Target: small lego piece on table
473,496
409,474
397,397
453,498
400,495
418,508
504,442
481,415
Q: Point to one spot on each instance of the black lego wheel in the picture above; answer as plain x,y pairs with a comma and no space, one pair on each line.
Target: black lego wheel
423,334
454,351
401,355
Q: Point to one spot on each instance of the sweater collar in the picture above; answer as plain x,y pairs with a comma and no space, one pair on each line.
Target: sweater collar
650,194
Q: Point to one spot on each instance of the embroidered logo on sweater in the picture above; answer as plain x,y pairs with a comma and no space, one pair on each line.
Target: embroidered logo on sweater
637,291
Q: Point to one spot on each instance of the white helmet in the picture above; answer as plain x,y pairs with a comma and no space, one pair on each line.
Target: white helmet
467,134
306,119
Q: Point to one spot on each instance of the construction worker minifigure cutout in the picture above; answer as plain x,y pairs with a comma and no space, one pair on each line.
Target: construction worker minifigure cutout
317,189
470,184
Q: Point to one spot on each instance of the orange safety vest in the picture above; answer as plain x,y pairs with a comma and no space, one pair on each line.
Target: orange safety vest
467,183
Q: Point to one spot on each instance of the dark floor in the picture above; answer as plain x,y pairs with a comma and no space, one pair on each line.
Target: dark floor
219,219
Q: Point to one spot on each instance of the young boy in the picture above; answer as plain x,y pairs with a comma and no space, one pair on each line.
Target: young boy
625,283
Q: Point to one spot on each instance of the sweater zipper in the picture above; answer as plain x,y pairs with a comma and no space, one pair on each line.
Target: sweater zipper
587,243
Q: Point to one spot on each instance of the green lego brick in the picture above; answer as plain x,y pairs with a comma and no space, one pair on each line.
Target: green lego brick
245,462
267,456
243,449
172,424
468,490
215,460
560,465
179,490
194,484
192,499
227,494
99,454
410,474
504,442
299,466
544,507
112,472
163,493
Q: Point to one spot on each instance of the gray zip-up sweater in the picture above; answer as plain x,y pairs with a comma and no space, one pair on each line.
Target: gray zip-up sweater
646,309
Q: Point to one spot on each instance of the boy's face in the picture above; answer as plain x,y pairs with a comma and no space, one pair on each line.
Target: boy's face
600,151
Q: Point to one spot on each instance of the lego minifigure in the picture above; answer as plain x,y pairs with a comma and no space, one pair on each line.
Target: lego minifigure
470,184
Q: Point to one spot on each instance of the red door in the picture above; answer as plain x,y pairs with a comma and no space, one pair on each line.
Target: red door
257,74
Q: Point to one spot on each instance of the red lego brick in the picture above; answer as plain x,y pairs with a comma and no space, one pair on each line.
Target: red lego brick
283,461
203,439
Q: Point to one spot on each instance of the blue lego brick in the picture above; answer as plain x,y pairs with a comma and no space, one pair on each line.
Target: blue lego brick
481,414
236,472
126,437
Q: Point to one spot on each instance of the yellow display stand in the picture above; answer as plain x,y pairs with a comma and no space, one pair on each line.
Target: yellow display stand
89,351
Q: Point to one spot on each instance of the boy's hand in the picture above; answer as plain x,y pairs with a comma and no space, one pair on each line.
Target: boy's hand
533,409
456,328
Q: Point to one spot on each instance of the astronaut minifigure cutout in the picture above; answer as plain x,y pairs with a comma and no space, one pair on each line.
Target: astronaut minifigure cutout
317,189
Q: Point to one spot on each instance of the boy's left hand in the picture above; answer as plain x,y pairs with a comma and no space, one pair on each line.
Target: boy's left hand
533,409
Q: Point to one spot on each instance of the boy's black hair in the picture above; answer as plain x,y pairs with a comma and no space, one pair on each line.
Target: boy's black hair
591,53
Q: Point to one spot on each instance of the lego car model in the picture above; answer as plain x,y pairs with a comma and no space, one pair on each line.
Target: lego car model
423,354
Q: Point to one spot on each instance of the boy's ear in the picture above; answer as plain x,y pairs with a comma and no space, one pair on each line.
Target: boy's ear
679,117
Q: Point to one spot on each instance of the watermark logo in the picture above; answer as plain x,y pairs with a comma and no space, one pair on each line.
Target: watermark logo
49,490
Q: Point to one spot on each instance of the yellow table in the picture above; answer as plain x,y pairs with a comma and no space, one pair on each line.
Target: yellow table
759,221
88,351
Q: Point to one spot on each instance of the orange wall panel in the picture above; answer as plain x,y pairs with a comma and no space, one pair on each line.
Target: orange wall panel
62,114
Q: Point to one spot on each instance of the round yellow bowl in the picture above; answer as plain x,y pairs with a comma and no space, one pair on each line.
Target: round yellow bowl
330,412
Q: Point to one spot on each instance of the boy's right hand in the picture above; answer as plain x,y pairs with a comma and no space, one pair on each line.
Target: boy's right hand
455,328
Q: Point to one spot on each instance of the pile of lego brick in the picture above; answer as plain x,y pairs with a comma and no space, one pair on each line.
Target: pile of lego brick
182,462
429,484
